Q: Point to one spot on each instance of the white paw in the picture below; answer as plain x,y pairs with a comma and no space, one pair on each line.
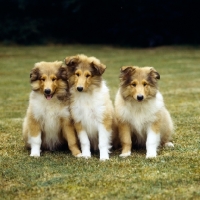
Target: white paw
104,155
151,155
104,159
169,144
35,154
125,154
86,155
79,155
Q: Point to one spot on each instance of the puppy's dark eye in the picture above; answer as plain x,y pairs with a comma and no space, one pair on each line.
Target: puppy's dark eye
87,75
42,79
53,79
77,74
145,84
134,84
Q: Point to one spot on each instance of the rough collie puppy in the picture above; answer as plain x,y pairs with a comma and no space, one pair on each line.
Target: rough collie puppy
90,104
47,124
141,114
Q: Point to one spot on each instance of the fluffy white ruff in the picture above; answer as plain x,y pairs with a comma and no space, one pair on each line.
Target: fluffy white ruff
89,108
47,113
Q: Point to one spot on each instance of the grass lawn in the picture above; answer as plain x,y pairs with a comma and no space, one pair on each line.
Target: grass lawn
174,174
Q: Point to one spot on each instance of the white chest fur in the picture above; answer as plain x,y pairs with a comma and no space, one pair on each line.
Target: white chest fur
140,114
48,113
88,108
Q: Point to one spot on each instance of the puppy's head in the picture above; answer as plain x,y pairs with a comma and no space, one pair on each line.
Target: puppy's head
49,78
138,83
84,72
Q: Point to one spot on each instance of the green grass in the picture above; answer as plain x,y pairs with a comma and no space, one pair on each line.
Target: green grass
174,174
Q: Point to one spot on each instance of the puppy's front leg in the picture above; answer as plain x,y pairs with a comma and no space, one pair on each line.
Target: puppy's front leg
104,142
70,136
34,136
125,138
35,142
84,140
152,143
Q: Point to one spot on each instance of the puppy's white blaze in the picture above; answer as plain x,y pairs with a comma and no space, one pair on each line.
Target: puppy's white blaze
35,143
85,144
104,142
152,143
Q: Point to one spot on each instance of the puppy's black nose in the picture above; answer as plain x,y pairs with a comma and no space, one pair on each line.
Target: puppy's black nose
140,97
47,91
80,89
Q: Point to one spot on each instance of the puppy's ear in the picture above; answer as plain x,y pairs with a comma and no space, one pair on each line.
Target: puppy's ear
98,68
34,74
126,71
62,73
154,73
71,62
125,68
154,76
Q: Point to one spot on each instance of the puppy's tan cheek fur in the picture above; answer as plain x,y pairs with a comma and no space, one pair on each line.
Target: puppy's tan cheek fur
35,85
152,91
88,81
42,86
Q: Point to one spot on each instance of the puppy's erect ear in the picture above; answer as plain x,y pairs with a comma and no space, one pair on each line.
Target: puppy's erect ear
98,68
35,74
71,62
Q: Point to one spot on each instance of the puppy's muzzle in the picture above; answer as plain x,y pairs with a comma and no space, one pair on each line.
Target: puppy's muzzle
47,94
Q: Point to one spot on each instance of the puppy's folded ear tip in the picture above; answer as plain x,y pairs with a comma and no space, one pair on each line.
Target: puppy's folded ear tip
71,61
124,68
66,60
158,76
99,68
